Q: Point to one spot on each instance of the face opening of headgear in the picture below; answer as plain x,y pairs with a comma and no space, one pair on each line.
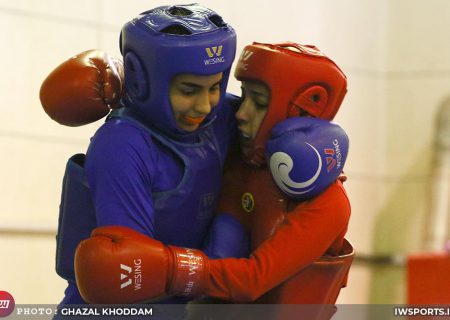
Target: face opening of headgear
301,80
164,42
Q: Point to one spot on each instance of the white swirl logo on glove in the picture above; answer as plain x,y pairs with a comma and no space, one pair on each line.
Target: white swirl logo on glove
281,164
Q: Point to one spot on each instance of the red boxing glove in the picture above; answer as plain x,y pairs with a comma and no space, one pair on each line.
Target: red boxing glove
120,265
83,89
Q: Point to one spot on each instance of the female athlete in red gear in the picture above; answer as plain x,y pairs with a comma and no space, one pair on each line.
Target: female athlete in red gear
300,254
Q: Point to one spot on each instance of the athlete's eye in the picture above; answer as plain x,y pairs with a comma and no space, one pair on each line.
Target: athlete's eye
214,89
260,106
188,92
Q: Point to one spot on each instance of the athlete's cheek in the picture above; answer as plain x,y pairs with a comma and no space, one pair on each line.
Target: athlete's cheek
181,105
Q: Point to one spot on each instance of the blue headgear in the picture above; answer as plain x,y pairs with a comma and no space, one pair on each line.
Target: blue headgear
170,40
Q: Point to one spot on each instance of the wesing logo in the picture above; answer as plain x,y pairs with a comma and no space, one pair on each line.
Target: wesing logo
245,55
332,161
214,55
243,58
131,275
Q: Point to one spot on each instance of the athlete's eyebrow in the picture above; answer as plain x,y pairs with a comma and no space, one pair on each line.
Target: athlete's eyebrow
258,94
196,85
255,92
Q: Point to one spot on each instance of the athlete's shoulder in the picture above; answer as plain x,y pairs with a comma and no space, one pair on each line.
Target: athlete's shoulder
121,133
334,201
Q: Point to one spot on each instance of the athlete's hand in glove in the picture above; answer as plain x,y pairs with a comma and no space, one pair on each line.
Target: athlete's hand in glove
226,238
120,265
83,89
306,155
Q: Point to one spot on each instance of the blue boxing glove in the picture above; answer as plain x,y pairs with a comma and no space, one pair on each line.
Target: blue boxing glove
306,155
226,238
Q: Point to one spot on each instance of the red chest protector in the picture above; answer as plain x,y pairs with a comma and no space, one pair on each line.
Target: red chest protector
250,195
254,199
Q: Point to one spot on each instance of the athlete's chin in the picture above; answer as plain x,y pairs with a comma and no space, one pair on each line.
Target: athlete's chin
188,127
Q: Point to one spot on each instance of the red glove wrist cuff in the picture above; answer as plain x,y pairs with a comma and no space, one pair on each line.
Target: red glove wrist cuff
190,272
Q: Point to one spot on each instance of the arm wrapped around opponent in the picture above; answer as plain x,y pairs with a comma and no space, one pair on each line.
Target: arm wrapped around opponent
119,265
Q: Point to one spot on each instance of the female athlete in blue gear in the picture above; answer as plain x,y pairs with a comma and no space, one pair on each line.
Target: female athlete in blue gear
156,164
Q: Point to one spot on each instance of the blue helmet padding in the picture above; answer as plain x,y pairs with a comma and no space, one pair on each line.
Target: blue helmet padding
153,57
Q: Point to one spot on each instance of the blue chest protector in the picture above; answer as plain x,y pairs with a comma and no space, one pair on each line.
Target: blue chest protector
182,214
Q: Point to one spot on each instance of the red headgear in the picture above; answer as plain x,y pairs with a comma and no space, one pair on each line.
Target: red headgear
300,79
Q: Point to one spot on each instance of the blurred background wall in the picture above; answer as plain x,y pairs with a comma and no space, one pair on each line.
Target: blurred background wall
396,55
